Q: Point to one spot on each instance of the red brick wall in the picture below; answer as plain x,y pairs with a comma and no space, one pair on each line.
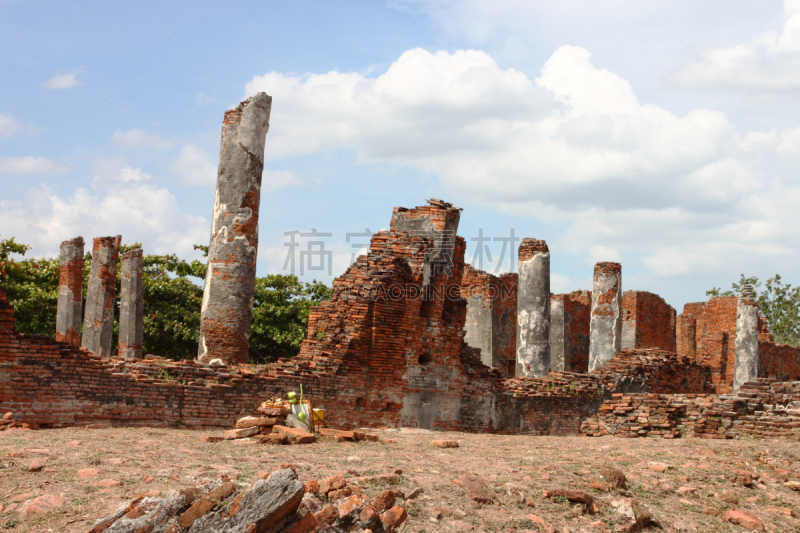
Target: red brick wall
647,321
778,361
529,247
715,338
758,409
685,336
577,314
502,291
661,371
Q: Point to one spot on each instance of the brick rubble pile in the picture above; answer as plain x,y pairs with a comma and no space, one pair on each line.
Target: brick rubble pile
276,503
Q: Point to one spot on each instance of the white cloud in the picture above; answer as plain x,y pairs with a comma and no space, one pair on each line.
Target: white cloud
575,145
194,166
423,106
575,137
114,172
24,165
203,99
272,180
63,81
139,138
766,63
560,284
138,212
8,126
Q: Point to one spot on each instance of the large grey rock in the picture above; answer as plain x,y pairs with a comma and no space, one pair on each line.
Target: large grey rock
262,507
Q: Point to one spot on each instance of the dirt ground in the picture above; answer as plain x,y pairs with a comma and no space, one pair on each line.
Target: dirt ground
686,484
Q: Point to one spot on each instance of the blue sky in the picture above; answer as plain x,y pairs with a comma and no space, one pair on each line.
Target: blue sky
664,135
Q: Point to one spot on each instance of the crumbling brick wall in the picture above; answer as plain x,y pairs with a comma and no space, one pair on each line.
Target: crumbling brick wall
778,361
706,332
655,371
577,308
359,381
491,316
685,336
647,321
762,408
715,338
386,350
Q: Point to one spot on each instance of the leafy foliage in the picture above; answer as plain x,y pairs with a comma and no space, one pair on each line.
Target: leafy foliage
172,302
779,303
280,315
32,288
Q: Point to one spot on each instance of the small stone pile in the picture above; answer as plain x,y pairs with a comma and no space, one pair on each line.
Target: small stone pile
266,429
277,503
7,422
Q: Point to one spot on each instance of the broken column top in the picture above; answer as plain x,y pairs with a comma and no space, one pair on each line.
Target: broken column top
605,267
252,119
435,202
438,214
530,247
106,241
747,292
77,241
132,254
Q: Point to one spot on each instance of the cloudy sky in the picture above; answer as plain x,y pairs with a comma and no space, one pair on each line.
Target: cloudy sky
661,134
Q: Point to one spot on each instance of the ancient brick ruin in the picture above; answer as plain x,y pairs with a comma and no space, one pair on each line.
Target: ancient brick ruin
393,348
412,337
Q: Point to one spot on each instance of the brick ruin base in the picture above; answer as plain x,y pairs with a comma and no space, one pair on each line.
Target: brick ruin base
764,408
52,384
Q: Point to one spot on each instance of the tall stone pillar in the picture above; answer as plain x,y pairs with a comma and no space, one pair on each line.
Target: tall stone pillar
745,367
70,292
227,309
98,321
131,305
605,325
559,353
533,309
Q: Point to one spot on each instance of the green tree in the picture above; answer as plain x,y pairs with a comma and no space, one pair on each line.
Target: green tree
779,303
31,286
281,309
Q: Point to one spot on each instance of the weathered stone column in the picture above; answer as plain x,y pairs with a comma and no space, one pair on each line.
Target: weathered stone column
605,326
131,305
98,322
745,367
559,355
230,278
533,309
70,292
